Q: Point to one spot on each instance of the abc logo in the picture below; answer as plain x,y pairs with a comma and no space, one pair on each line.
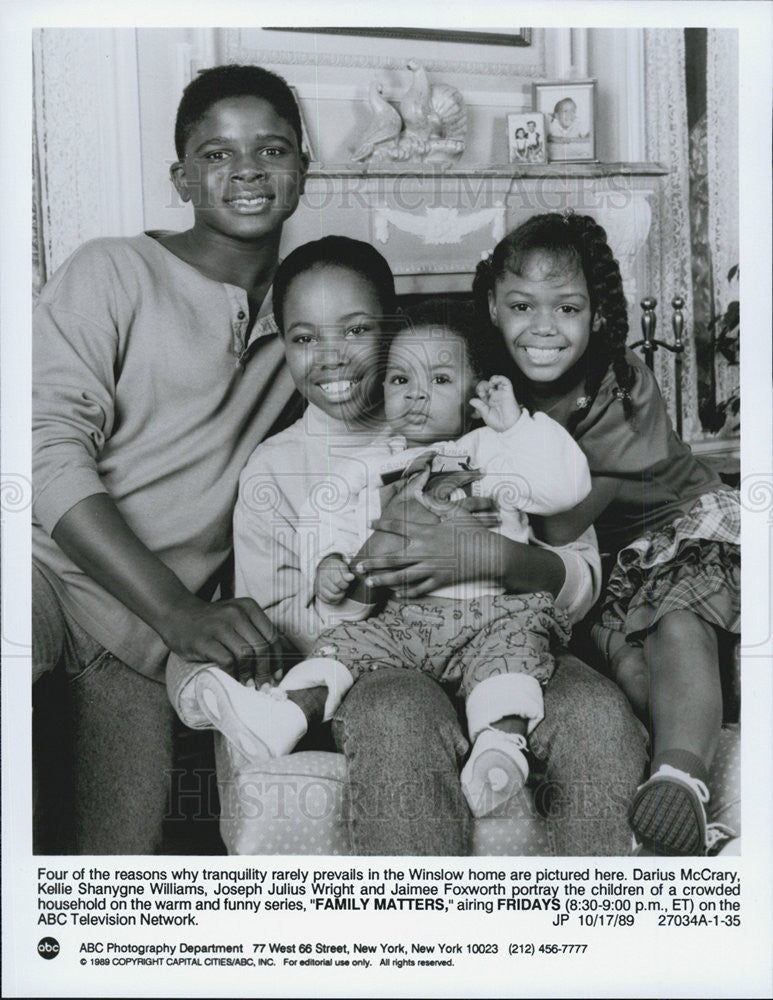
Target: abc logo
48,947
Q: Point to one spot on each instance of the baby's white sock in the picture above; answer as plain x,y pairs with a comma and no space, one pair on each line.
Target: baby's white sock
495,770
320,671
261,724
188,707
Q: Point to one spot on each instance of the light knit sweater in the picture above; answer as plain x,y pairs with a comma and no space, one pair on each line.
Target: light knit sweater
320,456
145,388
534,467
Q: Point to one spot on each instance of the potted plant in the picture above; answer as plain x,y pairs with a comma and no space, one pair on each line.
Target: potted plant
725,332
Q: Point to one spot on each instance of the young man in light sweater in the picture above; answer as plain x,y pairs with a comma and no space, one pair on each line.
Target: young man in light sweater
157,370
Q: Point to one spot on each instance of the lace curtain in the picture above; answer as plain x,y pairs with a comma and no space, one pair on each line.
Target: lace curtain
668,142
65,147
38,257
86,181
722,164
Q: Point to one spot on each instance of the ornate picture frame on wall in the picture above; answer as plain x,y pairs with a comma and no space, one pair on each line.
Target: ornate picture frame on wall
516,36
526,140
569,107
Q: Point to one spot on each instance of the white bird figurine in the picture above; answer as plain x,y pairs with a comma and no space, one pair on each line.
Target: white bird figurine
431,125
419,118
385,125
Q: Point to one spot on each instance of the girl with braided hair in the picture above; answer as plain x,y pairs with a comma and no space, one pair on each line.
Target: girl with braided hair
552,298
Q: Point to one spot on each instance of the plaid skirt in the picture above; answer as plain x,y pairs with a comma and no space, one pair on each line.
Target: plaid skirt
694,563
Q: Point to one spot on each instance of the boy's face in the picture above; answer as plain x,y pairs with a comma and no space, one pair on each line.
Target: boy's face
428,385
243,171
332,340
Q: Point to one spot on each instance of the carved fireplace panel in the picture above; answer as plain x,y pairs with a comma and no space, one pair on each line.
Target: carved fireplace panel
434,225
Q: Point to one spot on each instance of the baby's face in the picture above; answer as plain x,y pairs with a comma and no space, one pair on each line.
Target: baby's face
332,341
567,114
429,382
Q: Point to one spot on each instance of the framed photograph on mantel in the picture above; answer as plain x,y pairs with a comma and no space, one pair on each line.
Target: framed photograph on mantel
526,137
569,107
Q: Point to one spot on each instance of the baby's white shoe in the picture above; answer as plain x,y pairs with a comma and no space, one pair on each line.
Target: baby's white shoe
496,770
261,724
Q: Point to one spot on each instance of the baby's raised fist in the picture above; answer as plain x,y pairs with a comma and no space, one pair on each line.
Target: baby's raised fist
496,403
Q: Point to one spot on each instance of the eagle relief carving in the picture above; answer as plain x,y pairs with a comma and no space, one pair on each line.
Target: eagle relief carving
430,126
439,224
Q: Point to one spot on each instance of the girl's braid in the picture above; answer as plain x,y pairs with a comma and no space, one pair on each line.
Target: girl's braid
492,343
482,284
605,285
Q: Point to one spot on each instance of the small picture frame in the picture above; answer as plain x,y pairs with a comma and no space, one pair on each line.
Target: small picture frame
526,137
569,107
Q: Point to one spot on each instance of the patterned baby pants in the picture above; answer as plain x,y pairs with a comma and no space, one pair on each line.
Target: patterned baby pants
455,641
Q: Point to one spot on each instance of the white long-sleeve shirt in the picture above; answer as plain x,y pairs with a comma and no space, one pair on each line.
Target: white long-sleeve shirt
319,457
534,467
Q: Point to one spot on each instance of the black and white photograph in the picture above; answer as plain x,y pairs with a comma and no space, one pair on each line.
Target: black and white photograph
570,109
526,138
373,511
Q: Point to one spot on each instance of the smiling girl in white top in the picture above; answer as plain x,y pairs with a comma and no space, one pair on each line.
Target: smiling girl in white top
493,647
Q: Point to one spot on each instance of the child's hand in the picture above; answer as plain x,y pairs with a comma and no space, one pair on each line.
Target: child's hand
332,579
496,403
234,634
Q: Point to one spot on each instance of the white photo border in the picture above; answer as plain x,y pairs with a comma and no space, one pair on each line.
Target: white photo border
677,962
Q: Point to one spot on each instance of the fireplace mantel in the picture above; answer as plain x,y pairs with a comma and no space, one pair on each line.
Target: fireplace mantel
506,170
434,221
